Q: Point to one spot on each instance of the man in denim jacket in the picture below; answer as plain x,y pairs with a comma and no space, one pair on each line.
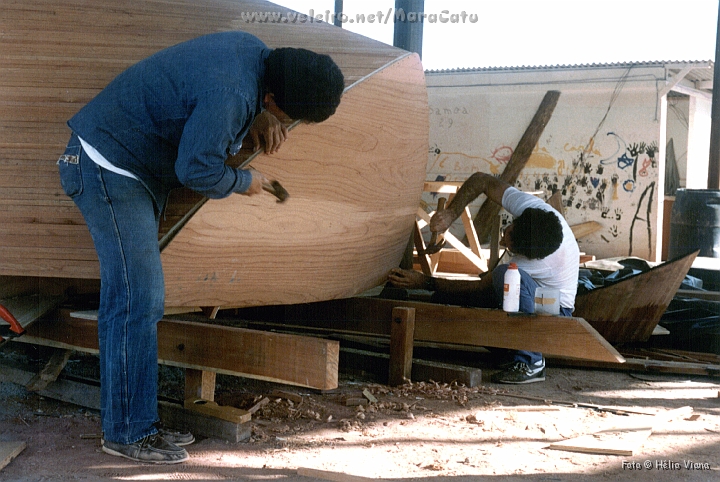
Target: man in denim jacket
172,120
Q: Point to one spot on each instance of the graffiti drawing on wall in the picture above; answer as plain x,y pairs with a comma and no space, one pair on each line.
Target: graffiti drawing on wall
595,183
463,165
612,182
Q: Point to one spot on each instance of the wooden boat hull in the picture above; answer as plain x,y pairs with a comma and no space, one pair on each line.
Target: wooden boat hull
629,310
354,181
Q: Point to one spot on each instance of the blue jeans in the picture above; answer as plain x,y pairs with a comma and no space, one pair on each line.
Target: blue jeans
123,221
527,305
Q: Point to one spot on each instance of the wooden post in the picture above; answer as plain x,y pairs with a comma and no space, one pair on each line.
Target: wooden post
402,331
494,244
199,384
488,211
425,262
713,181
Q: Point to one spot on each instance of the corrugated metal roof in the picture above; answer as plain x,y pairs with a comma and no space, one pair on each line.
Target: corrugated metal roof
657,63
697,72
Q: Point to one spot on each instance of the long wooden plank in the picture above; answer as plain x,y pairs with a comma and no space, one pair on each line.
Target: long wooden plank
68,391
571,337
630,309
10,450
333,476
632,364
296,360
489,210
620,440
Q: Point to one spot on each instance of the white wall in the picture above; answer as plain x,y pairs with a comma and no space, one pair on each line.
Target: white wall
698,150
601,147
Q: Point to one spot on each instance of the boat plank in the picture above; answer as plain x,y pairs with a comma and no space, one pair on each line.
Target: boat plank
630,309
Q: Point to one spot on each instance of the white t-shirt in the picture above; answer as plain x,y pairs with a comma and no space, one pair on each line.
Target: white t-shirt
558,270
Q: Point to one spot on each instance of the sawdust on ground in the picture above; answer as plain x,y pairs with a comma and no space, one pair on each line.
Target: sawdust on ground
416,432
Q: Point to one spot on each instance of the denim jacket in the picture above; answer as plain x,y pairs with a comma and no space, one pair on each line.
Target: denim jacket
174,118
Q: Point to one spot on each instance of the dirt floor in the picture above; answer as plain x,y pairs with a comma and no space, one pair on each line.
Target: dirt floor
416,432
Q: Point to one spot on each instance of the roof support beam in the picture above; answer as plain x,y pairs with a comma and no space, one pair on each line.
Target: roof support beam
676,79
408,34
714,160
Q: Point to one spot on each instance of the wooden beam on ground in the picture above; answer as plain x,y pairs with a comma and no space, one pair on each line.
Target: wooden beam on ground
81,394
171,414
10,450
422,370
624,440
701,295
203,425
222,412
438,323
643,365
489,210
333,476
402,331
52,370
295,360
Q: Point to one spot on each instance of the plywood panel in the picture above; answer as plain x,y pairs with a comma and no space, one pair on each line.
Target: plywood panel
57,55
354,180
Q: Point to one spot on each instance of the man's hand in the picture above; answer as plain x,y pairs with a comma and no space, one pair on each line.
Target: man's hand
256,186
441,220
270,129
406,278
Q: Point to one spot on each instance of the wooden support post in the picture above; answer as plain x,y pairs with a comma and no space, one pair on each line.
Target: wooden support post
52,370
470,232
402,331
420,246
199,384
555,201
481,264
494,244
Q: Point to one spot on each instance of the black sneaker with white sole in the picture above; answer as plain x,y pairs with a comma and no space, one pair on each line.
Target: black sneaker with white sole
520,373
152,449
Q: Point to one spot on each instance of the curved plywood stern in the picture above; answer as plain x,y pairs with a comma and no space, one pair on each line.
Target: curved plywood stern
354,180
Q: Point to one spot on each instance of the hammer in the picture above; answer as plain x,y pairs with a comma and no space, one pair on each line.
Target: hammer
276,189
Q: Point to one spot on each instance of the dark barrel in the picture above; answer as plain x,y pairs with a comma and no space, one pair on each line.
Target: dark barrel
695,223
